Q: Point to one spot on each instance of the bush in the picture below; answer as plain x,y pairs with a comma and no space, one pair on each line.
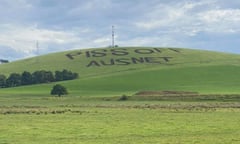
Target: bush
123,98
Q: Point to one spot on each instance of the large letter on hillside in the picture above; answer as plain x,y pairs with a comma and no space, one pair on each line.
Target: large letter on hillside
93,63
72,55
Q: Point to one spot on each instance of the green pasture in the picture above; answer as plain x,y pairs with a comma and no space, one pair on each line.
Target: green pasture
120,124
221,79
59,61
92,112
200,71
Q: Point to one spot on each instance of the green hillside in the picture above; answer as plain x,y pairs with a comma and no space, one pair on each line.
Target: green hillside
113,72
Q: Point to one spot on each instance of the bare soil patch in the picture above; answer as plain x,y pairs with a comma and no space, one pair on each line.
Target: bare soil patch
166,93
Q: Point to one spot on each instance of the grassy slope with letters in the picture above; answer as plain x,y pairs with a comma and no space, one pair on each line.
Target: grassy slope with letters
30,115
188,70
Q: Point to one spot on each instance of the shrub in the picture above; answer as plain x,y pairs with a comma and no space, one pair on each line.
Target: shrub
123,98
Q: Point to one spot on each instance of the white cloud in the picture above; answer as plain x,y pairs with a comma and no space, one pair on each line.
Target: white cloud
90,7
160,41
104,40
215,16
221,20
15,4
191,17
165,15
24,39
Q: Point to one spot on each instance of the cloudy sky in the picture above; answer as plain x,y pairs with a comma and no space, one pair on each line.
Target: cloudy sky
60,25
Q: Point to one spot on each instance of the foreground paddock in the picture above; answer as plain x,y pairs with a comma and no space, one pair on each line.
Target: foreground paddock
122,122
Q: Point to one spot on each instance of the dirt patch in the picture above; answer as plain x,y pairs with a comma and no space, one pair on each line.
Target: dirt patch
183,96
165,93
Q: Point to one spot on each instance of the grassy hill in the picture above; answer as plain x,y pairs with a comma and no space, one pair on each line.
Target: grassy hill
92,113
113,72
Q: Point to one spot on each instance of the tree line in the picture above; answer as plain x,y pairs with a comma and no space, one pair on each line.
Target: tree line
37,77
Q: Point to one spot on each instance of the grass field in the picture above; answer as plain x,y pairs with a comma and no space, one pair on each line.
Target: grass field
93,113
121,122
205,80
188,70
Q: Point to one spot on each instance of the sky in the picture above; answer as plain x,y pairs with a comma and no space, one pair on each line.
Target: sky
60,25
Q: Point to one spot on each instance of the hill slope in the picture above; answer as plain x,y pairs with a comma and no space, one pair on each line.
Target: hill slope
128,70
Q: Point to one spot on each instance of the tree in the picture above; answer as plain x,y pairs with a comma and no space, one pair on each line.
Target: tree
58,76
38,77
14,80
43,76
49,77
68,75
59,90
27,78
65,75
2,81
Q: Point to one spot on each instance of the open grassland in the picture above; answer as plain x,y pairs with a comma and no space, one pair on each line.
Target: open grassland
121,122
199,71
204,80
93,112
177,58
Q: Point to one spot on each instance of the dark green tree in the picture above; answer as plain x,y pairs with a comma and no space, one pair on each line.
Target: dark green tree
68,75
27,78
14,80
2,81
43,77
59,90
38,77
58,76
48,77
65,75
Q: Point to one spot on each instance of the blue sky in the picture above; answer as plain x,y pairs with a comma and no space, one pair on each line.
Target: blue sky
60,25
